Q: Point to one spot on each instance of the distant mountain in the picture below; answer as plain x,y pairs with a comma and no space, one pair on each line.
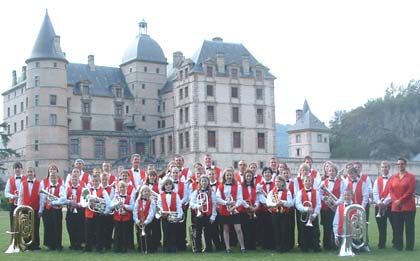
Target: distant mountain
282,140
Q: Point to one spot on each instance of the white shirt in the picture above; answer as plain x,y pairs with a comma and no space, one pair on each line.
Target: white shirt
286,203
194,204
302,208
116,199
30,187
227,192
185,198
11,194
151,214
376,196
168,201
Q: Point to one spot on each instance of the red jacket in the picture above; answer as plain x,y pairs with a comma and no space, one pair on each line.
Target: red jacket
402,190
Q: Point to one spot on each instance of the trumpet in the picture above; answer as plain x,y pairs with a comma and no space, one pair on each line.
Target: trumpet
381,211
329,198
120,206
305,217
203,203
22,230
230,206
50,198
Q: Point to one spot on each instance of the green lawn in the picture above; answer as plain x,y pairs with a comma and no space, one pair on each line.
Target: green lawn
386,254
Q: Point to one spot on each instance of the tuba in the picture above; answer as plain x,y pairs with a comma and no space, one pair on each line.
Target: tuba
23,229
354,229
305,217
329,198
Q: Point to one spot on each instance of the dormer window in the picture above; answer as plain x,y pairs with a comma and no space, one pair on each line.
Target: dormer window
258,75
118,92
234,73
85,89
209,71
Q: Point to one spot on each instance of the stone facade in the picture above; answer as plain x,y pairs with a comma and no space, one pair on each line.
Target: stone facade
221,101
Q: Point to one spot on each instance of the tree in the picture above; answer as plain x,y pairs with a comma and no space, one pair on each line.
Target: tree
4,151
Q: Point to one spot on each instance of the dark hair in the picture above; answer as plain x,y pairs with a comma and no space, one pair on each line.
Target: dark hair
252,180
267,168
403,159
17,165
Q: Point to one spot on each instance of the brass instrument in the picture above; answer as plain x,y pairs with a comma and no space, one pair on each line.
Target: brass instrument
276,200
305,217
94,203
154,197
354,229
203,203
70,205
172,216
251,214
142,226
120,206
328,197
260,189
231,206
381,211
23,229
50,198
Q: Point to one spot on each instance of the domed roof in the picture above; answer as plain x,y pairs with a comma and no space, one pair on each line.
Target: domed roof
144,48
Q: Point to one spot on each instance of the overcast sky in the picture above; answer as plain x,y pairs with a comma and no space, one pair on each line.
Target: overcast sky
336,54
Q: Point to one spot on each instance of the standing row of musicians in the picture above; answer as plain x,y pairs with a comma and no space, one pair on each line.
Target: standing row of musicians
226,207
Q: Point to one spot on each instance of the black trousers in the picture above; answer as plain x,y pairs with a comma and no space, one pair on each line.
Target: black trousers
327,218
382,225
202,224
35,239
145,243
404,219
109,228
249,230
169,236
12,208
74,224
121,235
181,234
215,235
290,229
264,218
156,234
52,220
279,222
310,235
94,232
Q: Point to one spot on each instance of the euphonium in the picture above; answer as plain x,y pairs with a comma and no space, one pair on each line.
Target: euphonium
305,217
203,203
354,229
328,197
49,198
94,203
23,229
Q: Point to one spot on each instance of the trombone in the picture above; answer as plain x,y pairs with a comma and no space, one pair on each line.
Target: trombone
305,217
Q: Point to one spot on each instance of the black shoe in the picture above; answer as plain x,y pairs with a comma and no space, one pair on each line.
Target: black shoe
36,248
50,248
228,251
87,249
243,251
317,250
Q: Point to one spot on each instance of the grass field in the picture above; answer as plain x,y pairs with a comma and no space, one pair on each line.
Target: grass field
383,254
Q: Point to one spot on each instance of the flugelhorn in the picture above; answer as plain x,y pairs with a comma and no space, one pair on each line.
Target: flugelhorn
23,229
328,197
305,217
354,229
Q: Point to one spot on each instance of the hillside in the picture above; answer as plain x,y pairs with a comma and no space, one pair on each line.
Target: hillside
384,128
282,141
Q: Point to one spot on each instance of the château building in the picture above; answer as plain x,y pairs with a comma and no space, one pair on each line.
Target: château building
219,101
308,136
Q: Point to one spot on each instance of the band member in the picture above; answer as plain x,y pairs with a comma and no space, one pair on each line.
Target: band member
273,166
334,186
401,187
29,196
169,204
75,212
94,217
185,173
109,218
280,200
137,175
107,168
143,215
239,176
308,203
338,221
382,201
122,204
229,198
314,173
203,202
153,183
208,164
264,226
84,176
248,210
52,215
358,166
257,176
11,191
290,215
215,228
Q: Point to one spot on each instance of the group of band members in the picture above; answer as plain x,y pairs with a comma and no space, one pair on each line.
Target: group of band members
226,207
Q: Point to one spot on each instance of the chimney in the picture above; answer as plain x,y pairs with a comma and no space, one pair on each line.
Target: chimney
221,62
23,73
14,79
177,58
299,115
57,43
217,39
91,62
245,64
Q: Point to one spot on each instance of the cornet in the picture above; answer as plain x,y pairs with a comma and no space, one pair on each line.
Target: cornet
276,200
231,206
120,206
305,217
203,203
381,211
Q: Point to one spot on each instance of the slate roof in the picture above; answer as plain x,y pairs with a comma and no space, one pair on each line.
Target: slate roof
144,48
170,77
45,47
233,53
308,121
102,79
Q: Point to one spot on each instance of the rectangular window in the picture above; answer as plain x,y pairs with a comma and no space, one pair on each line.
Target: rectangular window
99,148
36,81
181,116
259,94
8,111
15,127
319,138
157,70
258,75
21,107
53,99
74,146
298,138
85,89
21,125
153,147
36,145
118,109
180,94
170,143
26,121
143,118
53,119
187,139
260,116
122,148
235,114
261,140
145,70
209,71
36,100
86,108
211,139
181,73
158,124
234,73
186,92
163,124
26,102
297,152
236,140
210,113
85,124
143,101
162,145
234,92
210,90
126,109
143,86
158,108
163,106
36,121
181,141
119,125
118,92
187,114
14,109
